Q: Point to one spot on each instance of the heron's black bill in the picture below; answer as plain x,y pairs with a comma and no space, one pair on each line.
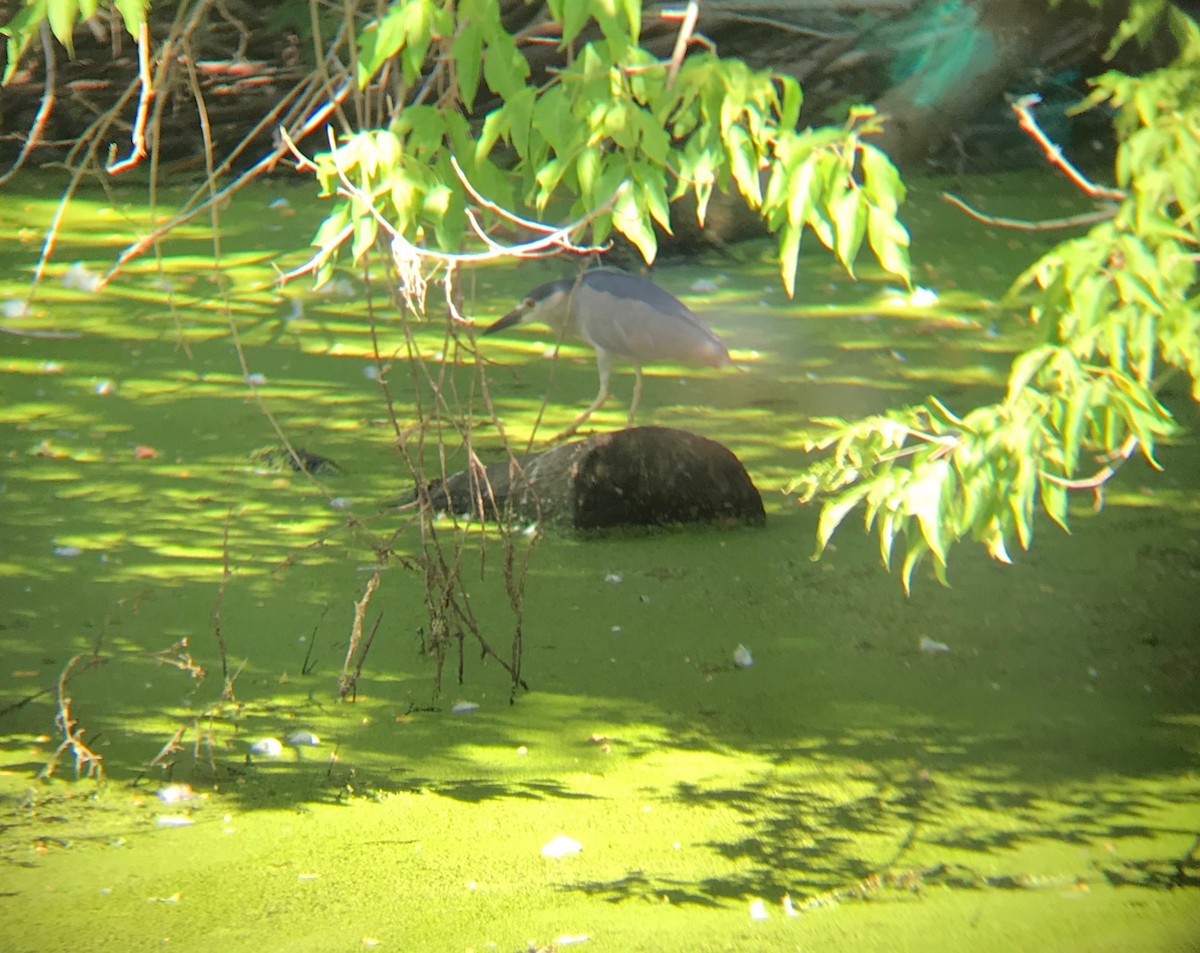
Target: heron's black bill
507,321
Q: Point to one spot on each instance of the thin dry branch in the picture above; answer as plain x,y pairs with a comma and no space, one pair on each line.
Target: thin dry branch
138,135
1021,224
1023,107
87,761
263,165
686,28
1097,480
44,109
346,681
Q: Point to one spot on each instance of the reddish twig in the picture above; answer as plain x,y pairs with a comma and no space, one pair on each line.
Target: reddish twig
1023,107
44,110
138,136
690,15
86,760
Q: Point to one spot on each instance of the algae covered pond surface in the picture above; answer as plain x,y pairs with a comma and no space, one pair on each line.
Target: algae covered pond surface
1010,763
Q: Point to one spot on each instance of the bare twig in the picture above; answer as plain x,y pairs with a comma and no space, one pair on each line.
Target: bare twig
265,164
94,135
167,750
1071,221
46,107
227,684
1097,480
346,682
690,15
86,760
352,688
138,136
1023,107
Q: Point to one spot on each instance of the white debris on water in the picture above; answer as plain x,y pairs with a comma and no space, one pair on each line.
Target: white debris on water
923,298
80,278
267,748
932,646
561,846
742,657
175,793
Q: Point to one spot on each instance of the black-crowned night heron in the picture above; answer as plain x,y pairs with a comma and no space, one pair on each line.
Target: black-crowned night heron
623,317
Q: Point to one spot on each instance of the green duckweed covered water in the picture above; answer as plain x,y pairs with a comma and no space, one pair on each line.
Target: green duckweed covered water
1035,787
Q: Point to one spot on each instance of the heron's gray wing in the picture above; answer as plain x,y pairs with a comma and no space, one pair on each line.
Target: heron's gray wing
633,318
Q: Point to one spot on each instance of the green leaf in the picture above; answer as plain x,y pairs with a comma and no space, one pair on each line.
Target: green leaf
789,255
520,108
789,113
332,225
62,15
573,17
1055,501
551,115
133,13
495,124
924,500
889,241
1021,496
504,68
380,41
654,195
916,552
22,28
653,141
547,178
365,230
587,168
389,151
849,215
406,203
743,162
881,180
801,192
633,221
887,537
1027,366
834,511
633,18
467,52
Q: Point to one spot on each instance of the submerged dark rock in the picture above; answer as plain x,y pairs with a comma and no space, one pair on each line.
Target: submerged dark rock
299,459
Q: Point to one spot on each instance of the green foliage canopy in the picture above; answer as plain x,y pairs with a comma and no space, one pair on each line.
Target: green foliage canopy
611,138
1118,311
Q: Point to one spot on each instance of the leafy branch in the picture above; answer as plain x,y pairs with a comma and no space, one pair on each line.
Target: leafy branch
609,140
1118,310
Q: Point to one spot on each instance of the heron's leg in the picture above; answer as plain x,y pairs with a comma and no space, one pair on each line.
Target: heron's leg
637,395
605,367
